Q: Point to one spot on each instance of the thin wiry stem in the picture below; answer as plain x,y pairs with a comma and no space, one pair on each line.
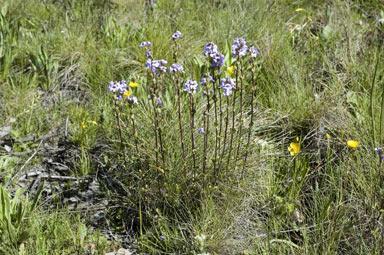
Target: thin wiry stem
371,97
155,119
134,133
252,113
221,118
179,116
241,112
157,124
206,127
225,134
233,115
216,122
119,127
192,111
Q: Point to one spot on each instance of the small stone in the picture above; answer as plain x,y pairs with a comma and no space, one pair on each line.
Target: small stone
121,251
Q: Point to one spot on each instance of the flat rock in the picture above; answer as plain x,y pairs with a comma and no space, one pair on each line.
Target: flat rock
121,251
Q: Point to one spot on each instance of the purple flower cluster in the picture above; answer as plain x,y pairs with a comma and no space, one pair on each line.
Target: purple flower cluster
191,86
227,84
156,65
203,80
132,99
177,35
176,68
211,50
239,47
254,52
119,88
146,44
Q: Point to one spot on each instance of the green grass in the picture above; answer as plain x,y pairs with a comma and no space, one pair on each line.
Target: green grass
314,78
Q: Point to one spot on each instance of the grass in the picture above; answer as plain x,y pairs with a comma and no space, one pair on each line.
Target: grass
314,77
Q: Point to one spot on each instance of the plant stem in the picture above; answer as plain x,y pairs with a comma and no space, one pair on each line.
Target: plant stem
179,117
192,130
134,132
206,131
217,138
371,97
155,120
252,113
119,127
141,221
157,124
241,112
225,134
233,115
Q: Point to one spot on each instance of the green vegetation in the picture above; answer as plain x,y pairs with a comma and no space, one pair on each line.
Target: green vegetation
282,180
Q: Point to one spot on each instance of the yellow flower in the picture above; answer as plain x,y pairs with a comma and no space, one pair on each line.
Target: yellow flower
93,122
133,84
83,125
328,136
127,94
230,70
299,9
352,143
294,148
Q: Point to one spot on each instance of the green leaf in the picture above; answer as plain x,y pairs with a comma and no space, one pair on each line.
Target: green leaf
327,32
23,237
37,197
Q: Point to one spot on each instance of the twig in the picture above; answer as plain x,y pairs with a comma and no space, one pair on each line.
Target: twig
26,163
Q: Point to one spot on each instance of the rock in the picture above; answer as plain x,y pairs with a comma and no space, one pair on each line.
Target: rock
121,251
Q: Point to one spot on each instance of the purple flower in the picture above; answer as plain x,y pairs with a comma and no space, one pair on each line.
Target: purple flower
217,60
191,86
118,86
176,68
146,44
156,65
158,101
203,80
379,150
201,131
112,87
210,49
239,47
227,84
132,99
254,52
177,35
149,54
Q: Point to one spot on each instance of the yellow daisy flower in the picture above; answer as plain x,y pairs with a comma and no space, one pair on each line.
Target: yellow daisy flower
133,84
352,143
230,70
294,148
127,94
